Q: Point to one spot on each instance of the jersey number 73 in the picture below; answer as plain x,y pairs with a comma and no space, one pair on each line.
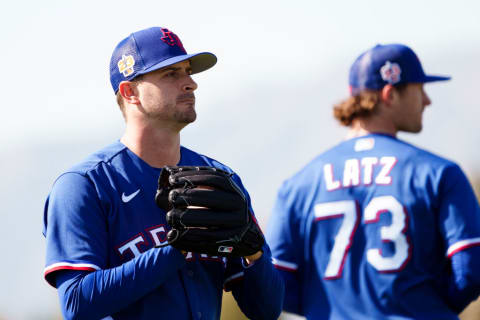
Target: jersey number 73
349,211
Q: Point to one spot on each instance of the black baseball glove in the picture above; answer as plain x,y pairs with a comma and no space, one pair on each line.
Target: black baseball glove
207,212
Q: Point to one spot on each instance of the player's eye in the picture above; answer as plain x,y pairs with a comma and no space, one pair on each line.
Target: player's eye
171,74
176,74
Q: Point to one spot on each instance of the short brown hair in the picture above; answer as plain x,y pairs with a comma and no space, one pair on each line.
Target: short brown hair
120,103
361,105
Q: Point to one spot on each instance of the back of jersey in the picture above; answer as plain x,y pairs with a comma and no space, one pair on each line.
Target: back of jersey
372,216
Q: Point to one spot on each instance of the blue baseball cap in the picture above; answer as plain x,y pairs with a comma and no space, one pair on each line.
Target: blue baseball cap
149,50
387,64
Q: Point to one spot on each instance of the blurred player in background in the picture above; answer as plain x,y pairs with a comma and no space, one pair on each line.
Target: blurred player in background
376,228
102,225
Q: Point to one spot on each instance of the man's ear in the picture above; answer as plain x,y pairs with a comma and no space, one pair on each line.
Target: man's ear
387,94
129,92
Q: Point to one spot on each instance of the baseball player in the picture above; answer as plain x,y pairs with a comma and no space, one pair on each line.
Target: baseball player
103,229
376,228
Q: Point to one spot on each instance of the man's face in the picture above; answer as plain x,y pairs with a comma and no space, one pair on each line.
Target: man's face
409,107
167,95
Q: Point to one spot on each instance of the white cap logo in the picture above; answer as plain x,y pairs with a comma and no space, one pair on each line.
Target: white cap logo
391,72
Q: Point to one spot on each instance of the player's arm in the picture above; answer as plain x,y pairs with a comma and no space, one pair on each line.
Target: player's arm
257,286
287,247
464,284
94,295
77,254
460,227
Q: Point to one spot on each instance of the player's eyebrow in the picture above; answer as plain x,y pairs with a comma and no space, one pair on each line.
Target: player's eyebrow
170,69
189,69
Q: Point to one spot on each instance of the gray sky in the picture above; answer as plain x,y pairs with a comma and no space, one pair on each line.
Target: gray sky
264,109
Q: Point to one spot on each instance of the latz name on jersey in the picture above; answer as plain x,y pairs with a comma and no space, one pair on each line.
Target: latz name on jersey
360,171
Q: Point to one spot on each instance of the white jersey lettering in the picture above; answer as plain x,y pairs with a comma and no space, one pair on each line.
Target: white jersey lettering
132,246
351,173
158,234
383,176
360,171
329,179
367,164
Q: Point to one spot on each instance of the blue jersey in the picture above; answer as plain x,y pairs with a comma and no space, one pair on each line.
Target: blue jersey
101,221
368,230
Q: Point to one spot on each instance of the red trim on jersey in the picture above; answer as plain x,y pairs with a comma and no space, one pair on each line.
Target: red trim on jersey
66,266
333,216
464,247
284,265
283,268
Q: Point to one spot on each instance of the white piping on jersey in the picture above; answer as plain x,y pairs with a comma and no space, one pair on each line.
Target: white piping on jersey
235,276
285,264
71,265
461,245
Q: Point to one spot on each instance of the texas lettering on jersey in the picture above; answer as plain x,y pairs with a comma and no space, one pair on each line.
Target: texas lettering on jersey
158,235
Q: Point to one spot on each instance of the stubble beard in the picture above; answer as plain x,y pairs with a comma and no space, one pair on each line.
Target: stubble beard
186,116
184,111
174,112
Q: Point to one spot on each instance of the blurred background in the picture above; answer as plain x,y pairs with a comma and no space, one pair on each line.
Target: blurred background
264,109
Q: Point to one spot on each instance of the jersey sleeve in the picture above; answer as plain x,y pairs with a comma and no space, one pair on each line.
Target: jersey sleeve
459,216
74,226
283,236
105,292
460,228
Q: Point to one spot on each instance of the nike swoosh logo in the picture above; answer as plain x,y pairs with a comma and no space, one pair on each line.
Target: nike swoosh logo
126,198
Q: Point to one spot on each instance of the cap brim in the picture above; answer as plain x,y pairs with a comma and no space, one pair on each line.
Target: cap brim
198,62
435,78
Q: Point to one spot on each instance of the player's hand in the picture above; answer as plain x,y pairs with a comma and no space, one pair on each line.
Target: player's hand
250,259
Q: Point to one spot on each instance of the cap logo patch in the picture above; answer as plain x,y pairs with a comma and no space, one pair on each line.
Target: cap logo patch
171,38
391,72
125,65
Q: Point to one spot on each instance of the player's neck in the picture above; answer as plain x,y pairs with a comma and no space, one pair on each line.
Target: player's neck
364,126
157,147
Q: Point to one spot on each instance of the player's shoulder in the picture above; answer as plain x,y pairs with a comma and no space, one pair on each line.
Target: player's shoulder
94,160
313,168
422,158
193,158
302,181
384,144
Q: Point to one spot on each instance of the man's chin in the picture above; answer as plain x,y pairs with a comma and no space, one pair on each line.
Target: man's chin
188,121
417,129
187,118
